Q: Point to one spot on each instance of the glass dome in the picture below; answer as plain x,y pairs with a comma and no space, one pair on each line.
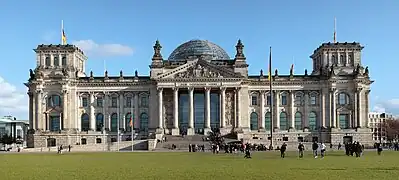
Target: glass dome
197,48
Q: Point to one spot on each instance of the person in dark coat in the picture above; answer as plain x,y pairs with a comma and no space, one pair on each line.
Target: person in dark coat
247,153
301,148
283,149
379,148
315,146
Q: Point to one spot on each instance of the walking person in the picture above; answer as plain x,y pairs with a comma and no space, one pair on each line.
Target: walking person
315,146
282,150
301,148
379,149
322,149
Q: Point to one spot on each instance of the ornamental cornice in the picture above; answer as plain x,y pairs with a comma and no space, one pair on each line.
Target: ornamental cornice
115,84
200,80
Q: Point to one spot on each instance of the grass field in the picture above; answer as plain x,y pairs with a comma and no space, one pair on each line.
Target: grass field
189,166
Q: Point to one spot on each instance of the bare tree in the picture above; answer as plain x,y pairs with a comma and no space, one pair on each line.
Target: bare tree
391,127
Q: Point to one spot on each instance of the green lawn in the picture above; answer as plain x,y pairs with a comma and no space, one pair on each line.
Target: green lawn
189,166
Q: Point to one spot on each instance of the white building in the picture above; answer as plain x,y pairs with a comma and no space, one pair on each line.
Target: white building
199,88
376,123
16,128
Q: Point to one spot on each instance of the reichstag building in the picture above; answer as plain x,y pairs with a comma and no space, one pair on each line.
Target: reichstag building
197,89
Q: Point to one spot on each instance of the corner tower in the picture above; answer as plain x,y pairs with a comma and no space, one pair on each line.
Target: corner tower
342,57
60,60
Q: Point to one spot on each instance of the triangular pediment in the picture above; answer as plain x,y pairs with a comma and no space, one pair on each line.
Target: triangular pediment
198,69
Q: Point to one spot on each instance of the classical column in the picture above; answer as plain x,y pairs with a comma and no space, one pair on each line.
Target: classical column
222,107
355,111
360,115
121,113
136,111
191,108
239,120
92,116
306,107
160,108
60,121
65,109
109,121
323,107
41,124
32,117
262,109
176,108
277,109
334,110
106,111
292,104
208,107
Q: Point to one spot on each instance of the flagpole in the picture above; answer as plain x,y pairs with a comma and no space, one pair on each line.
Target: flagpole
104,138
131,122
62,30
271,97
118,126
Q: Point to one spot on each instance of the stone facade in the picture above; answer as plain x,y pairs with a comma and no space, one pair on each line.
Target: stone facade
330,104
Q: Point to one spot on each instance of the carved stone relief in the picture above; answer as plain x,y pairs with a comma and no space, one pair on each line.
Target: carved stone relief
229,115
198,71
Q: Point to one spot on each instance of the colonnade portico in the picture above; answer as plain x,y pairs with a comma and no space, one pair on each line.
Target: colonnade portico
191,116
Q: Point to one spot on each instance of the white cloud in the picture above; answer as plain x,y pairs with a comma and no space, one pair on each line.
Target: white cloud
91,48
389,106
12,101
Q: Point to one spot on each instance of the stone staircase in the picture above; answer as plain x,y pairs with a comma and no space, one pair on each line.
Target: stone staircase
182,143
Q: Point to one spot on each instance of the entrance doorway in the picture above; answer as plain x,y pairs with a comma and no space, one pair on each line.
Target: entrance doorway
51,142
348,139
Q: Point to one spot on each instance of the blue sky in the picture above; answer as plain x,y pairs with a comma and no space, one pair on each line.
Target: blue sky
123,33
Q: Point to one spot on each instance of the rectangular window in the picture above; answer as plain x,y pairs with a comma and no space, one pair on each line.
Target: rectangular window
129,101
100,102
254,100
144,102
343,121
283,100
114,102
19,133
64,61
298,100
2,131
312,100
269,100
85,102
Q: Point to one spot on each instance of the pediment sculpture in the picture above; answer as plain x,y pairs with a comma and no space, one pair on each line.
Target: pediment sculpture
198,71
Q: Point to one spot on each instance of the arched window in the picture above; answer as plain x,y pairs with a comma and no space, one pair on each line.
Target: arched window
267,120
54,101
114,122
298,121
283,121
47,61
129,117
85,123
254,121
144,122
312,121
99,122
343,98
